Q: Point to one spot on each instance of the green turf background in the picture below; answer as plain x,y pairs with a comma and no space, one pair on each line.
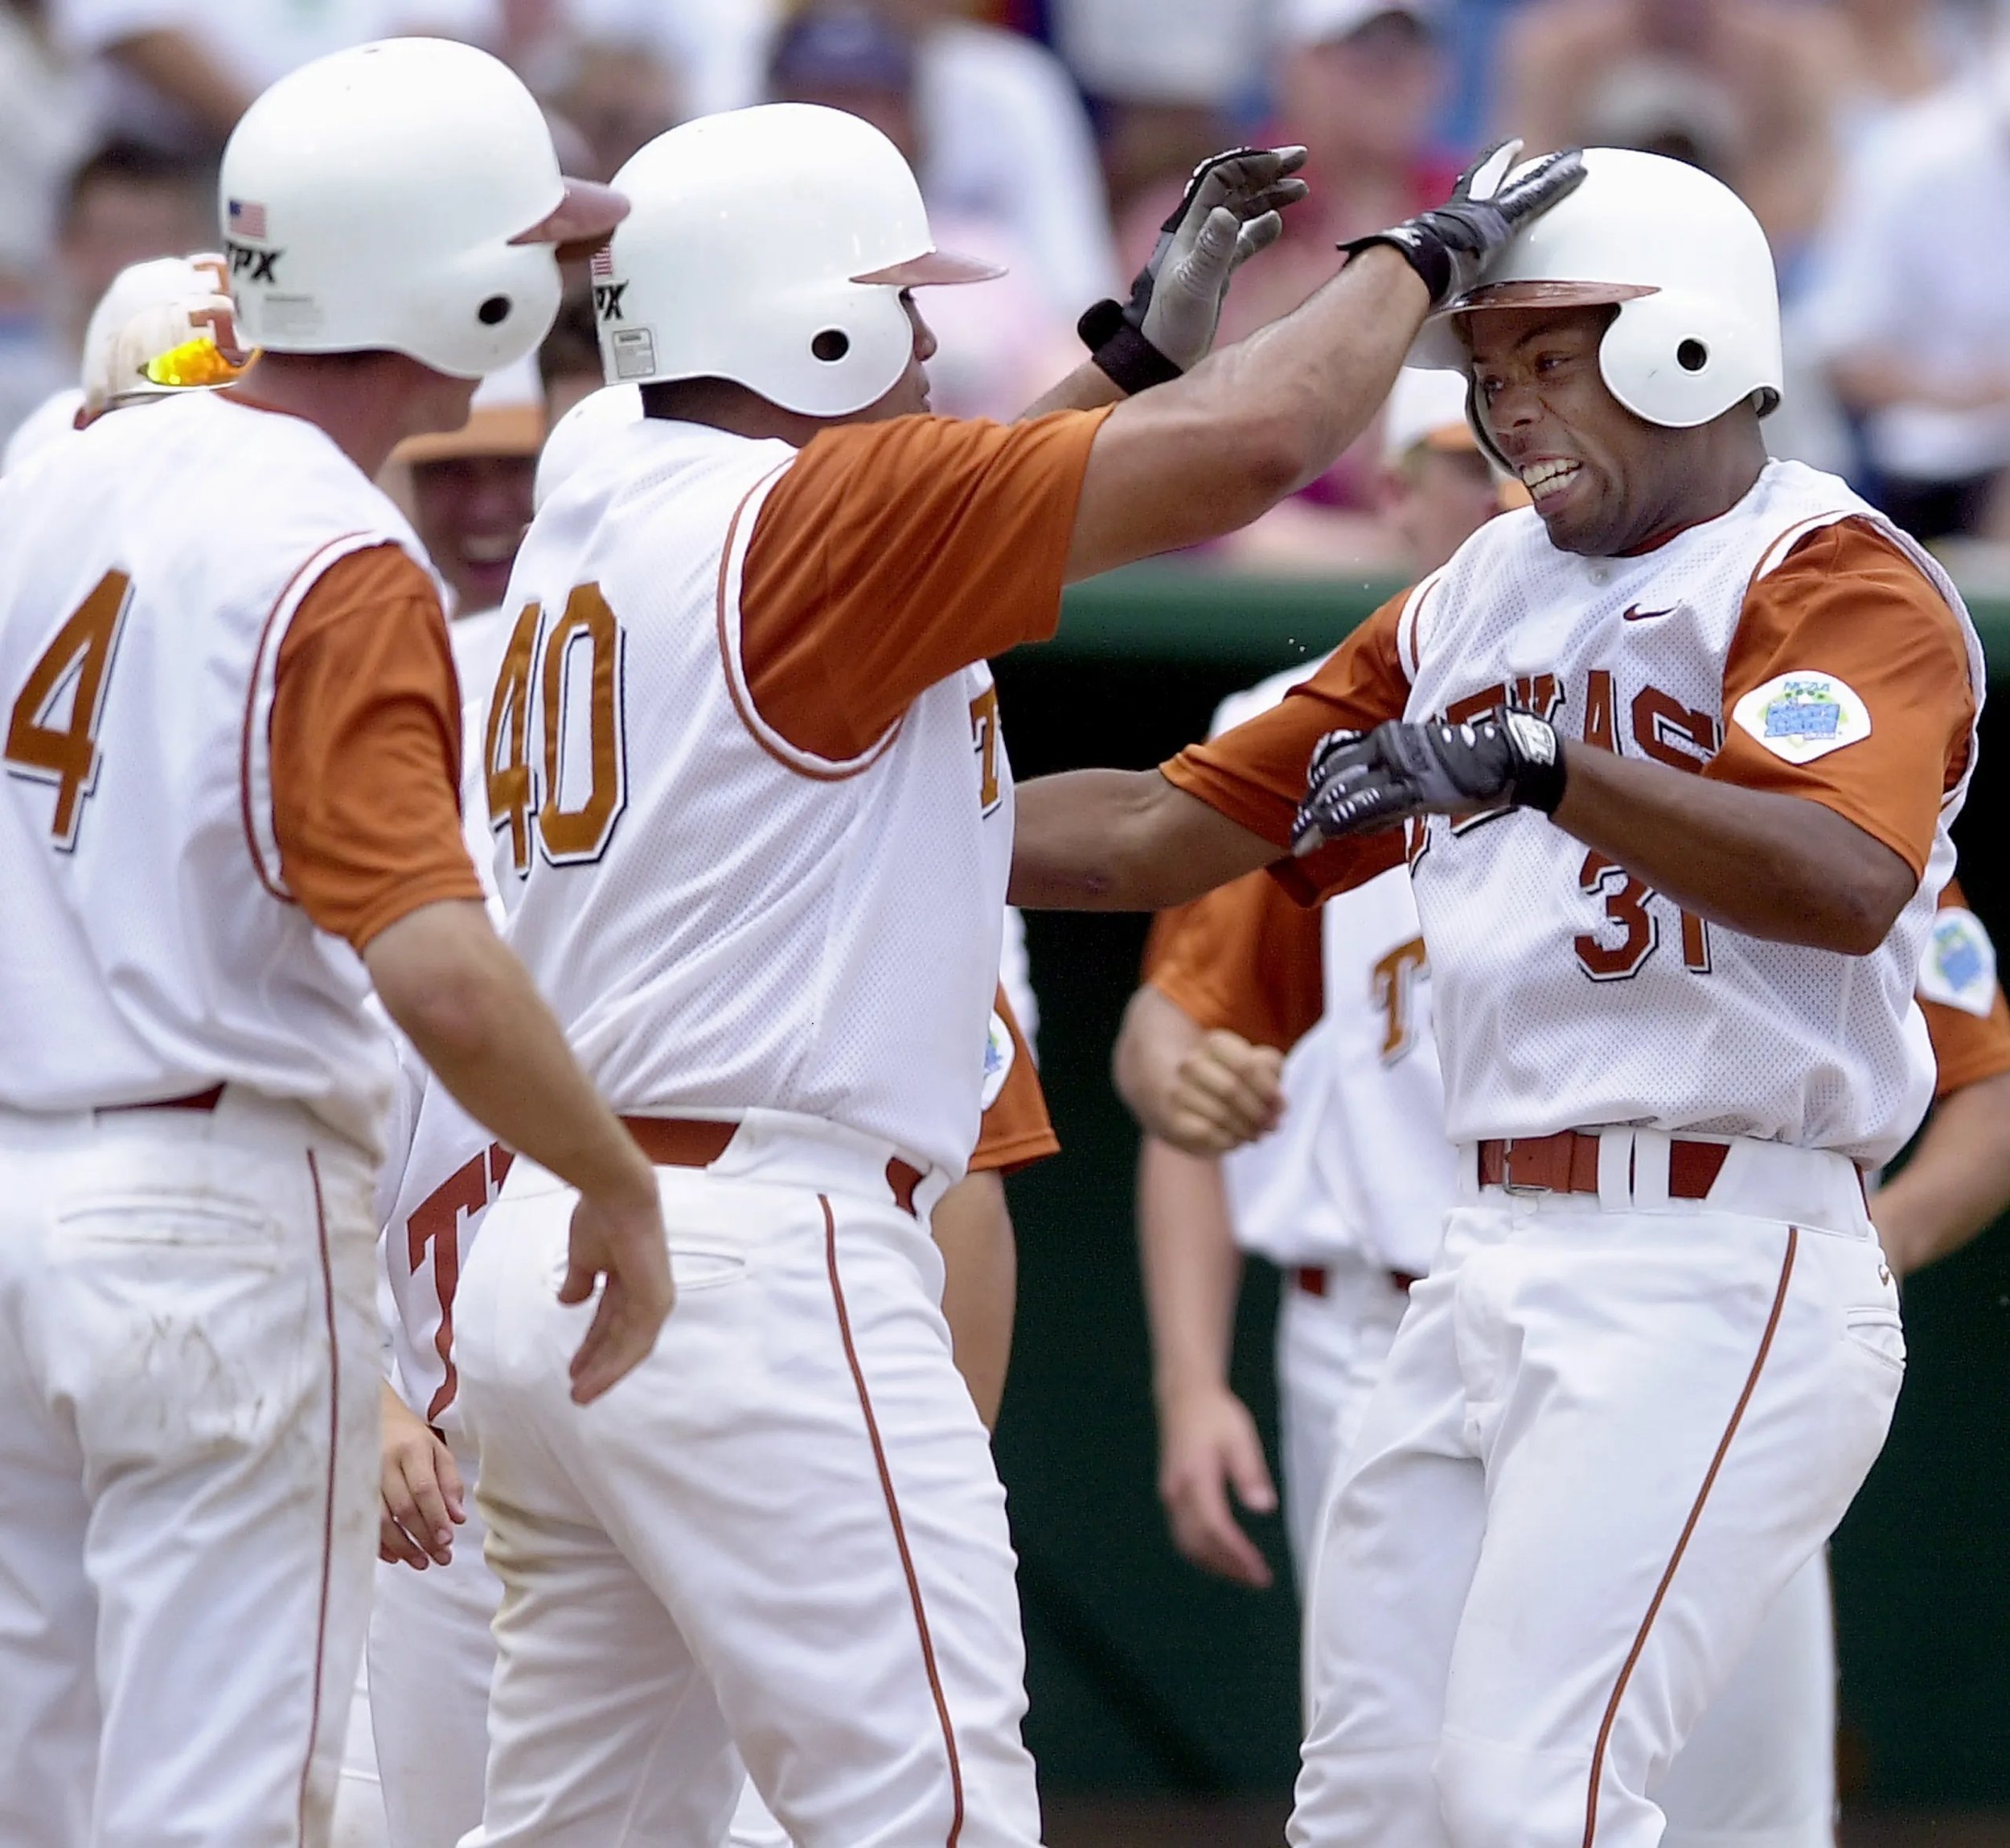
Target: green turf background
1146,1675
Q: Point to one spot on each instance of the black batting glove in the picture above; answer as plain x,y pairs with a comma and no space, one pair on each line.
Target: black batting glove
1359,782
1450,246
1232,208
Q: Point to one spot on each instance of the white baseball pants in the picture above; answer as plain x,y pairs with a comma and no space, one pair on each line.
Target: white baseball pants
1331,1350
1609,1436
418,1744
1759,1770
188,1446
783,1533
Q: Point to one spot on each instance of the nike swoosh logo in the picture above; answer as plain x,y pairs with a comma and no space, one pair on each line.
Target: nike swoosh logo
1633,612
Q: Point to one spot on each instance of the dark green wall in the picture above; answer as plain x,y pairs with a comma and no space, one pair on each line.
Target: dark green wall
1146,1674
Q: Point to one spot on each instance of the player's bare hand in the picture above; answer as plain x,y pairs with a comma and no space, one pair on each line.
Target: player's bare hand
424,1499
622,1240
1207,1445
1225,1092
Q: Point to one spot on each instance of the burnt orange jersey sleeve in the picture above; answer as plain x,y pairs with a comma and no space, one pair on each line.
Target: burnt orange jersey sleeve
1967,1046
1847,683
1243,957
1255,775
366,749
892,554
1016,1131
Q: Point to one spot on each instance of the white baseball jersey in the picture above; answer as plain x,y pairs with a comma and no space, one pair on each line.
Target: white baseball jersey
1360,1165
151,946
1567,994
722,920
478,641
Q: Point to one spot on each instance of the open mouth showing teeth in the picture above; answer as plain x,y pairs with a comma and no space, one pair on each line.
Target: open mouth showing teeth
1543,478
497,551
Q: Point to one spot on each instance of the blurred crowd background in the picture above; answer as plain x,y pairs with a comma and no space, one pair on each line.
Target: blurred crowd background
1871,137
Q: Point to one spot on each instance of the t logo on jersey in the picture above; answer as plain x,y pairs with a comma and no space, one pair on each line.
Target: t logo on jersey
436,1222
984,742
1393,982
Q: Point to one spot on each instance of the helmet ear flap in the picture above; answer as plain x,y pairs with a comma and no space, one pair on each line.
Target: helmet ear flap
1679,360
840,350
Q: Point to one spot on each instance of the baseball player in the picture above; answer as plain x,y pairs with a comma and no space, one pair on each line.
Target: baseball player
431,1656
1341,1192
753,816
230,741
1671,962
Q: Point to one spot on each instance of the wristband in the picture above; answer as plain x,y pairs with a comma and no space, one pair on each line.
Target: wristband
1423,253
1538,783
1133,363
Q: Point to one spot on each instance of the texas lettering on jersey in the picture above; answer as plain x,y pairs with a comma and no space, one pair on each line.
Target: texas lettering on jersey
1645,720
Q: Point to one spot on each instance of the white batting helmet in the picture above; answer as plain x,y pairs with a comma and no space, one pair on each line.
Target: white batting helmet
164,325
770,246
402,196
1685,263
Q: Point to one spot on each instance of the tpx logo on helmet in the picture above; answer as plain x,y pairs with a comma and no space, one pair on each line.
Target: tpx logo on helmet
259,262
607,300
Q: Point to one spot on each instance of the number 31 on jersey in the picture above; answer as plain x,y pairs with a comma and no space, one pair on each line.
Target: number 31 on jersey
566,676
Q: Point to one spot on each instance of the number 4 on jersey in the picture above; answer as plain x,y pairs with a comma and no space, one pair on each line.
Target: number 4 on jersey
52,731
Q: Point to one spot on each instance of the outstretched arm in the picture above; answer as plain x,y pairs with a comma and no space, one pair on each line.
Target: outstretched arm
1122,840
1206,453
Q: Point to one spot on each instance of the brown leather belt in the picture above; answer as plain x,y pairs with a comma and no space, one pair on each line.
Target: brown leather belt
1568,1163
695,1142
204,1101
1313,1280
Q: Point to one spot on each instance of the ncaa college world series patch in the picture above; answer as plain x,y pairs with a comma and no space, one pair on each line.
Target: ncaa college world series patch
1959,969
999,1054
1804,715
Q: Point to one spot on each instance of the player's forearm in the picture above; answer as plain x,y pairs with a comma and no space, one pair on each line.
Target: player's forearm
1121,840
470,1009
1957,1181
973,1227
1774,867
1088,387
1205,455
1321,372
1192,1270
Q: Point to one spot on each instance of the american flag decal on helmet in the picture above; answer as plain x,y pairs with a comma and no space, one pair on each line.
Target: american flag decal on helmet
602,265
246,218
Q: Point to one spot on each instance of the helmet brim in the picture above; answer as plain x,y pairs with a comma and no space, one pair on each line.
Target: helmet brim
583,221
933,267
1560,293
